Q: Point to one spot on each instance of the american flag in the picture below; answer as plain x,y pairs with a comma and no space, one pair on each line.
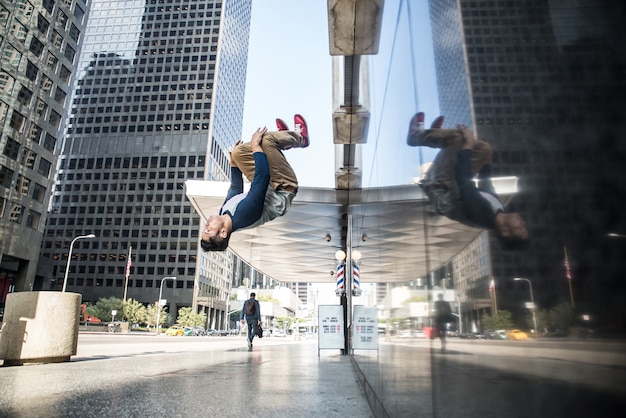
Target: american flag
128,264
568,273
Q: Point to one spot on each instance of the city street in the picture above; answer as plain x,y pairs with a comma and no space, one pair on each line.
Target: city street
141,375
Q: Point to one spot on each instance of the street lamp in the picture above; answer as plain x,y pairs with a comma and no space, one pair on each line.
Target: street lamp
69,257
159,302
532,300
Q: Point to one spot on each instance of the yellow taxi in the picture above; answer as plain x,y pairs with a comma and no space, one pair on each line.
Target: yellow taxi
516,335
175,330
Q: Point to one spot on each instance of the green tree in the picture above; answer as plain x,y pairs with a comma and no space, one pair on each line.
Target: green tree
284,322
561,316
501,320
151,315
134,312
104,306
188,318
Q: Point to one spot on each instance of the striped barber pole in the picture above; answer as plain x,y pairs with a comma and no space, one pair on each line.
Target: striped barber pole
356,280
341,284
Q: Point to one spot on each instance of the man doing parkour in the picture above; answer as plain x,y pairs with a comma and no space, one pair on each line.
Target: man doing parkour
273,183
449,182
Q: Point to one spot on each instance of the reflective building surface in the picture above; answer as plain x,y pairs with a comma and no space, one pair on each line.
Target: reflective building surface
146,95
39,42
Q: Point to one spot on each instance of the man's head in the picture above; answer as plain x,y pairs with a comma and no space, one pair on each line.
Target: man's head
440,296
511,228
253,295
216,233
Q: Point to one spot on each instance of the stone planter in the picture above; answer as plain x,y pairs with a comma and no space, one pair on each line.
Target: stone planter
39,327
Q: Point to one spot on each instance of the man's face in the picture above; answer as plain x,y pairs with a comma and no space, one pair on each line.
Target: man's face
517,226
212,228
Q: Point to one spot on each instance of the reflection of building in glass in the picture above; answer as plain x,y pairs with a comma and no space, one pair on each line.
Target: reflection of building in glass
38,44
540,81
161,88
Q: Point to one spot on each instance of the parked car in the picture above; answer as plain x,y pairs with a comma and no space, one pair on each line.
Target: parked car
210,332
198,331
419,333
498,334
175,330
278,333
516,335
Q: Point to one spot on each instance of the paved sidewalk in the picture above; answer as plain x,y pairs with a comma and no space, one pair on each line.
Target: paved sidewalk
116,375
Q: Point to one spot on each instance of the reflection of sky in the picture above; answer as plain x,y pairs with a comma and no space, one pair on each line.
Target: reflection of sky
114,27
289,71
402,82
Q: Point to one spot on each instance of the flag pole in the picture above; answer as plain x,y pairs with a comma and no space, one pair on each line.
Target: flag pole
568,274
128,264
492,289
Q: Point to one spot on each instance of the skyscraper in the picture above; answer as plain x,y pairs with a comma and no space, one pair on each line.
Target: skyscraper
544,82
149,106
39,41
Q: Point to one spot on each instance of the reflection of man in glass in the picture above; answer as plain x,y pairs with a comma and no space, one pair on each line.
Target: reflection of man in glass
443,315
449,182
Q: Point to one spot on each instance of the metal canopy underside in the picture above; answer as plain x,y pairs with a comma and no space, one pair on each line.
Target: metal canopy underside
405,239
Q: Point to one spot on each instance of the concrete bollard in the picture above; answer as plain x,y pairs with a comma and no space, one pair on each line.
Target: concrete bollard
40,327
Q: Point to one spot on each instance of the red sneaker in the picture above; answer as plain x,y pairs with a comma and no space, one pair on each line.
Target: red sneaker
281,125
301,128
437,123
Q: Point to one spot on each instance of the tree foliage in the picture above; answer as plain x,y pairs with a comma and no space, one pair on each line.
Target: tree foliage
134,312
188,318
561,316
284,322
104,306
501,320
151,315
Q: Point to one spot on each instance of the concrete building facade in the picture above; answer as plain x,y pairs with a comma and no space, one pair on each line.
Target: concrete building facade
39,46
149,111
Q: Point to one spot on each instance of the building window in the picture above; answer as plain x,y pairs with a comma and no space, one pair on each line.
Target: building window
11,148
32,220
44,167
6,176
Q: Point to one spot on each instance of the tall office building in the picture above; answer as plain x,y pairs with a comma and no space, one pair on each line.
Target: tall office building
158,100
39,42
543,81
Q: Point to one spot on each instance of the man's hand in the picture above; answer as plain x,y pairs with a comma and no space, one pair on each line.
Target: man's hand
256,139
468,136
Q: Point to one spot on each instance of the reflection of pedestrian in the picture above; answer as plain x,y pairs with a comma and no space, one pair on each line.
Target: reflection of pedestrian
449,181
443,315
273,183
251,312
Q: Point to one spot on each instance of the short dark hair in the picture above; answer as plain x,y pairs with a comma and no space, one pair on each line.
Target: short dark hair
215,243
253,294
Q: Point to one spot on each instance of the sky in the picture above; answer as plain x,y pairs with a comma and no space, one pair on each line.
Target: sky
290,71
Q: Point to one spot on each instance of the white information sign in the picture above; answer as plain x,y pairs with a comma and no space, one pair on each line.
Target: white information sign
365,328
331,327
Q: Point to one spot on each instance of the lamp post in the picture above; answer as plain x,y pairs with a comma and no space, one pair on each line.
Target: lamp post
159,302
532,300
69,258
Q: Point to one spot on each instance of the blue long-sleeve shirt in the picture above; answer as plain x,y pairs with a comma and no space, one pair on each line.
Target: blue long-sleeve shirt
257,313
479,204
246,208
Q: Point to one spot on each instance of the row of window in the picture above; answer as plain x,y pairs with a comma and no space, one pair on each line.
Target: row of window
186,127
138,283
